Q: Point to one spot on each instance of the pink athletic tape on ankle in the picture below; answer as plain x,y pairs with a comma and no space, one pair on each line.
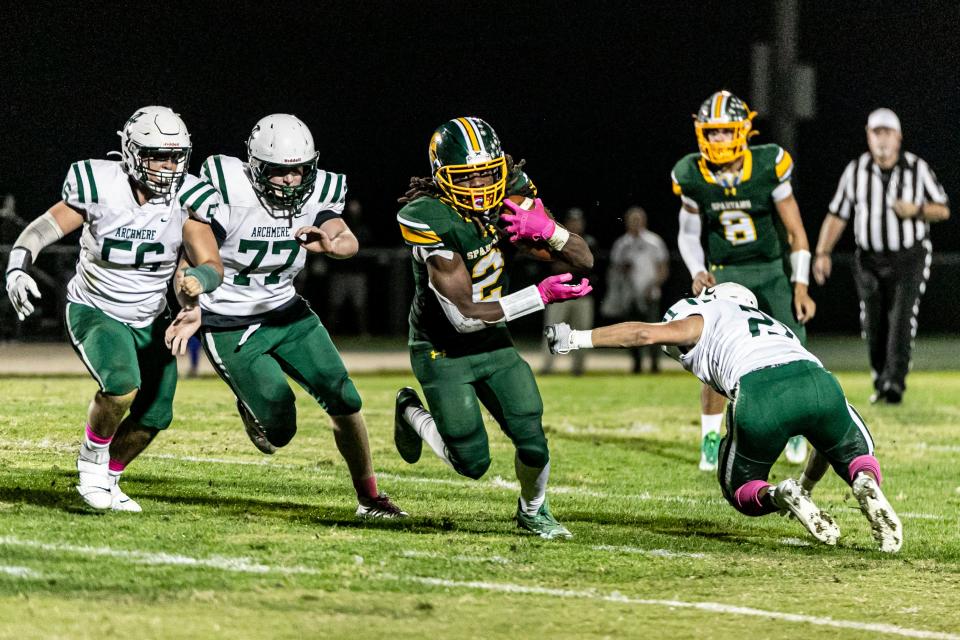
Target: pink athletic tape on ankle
116,466
367,488
864,463
96,439
747,498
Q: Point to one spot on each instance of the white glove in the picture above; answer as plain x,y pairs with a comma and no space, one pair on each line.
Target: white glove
19,287
558,338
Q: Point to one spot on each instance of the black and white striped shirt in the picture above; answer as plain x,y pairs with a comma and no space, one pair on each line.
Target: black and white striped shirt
870,193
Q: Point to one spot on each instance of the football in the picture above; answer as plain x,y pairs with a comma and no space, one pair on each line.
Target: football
537,250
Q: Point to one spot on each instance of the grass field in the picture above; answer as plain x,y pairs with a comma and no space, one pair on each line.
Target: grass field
233,544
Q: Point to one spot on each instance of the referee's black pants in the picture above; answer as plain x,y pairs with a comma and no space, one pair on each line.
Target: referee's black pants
890,285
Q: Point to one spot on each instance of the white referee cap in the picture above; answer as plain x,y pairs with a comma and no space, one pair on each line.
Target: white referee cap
883,118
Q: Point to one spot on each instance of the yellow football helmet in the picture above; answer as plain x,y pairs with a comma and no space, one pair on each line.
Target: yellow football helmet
723,110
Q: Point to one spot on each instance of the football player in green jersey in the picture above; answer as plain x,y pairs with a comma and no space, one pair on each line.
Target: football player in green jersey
755,235
460,348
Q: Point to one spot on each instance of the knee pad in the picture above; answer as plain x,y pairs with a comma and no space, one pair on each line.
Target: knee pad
534,453
345,401
279,419
471,467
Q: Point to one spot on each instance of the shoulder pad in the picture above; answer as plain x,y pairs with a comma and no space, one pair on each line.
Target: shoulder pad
424,221
92,182
684,172
199,196
228,177
330,190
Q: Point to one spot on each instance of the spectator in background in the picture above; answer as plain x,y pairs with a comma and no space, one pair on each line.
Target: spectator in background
577,313
348,282
639,265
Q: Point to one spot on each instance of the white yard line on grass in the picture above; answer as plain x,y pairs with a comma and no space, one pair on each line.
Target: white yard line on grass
237,565
712,607
19,572
410,553
656,553
495,482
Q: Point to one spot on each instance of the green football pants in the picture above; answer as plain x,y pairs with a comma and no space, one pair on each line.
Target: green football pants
254,362
500,380
776,403
122,358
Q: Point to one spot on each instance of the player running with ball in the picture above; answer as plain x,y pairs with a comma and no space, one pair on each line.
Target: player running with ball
777,390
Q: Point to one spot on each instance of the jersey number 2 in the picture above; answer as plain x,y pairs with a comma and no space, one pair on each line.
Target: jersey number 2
487,288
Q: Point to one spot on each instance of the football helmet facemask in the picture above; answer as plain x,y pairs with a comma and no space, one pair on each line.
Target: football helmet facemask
282,142
465,148
723,110
155,134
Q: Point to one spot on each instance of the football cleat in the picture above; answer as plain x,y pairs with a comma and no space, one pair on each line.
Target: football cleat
886,526
542,524
257,435
709,451
379,507
789,497
94,486
796,450
407,440
121,501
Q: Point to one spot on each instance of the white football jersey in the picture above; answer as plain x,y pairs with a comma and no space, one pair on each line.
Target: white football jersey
128,251
736,340
260,255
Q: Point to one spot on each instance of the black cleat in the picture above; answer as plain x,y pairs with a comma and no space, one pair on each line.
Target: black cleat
257,435
407,440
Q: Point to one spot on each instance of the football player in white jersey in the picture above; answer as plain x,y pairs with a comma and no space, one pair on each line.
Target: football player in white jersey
256,329
136,214
777,390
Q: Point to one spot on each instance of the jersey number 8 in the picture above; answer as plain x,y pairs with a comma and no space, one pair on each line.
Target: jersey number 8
738,227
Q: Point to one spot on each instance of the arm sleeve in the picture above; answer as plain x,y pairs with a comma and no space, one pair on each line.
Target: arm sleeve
843,199
932,189
688,242
38,235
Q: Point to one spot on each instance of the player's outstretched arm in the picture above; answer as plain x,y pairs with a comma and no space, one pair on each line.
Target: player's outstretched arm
60,220
202,251
333,238
803,305
684,332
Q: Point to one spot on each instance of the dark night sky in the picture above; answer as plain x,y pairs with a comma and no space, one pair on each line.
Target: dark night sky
596,96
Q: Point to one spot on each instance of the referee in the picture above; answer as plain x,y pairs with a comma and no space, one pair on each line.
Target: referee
892,197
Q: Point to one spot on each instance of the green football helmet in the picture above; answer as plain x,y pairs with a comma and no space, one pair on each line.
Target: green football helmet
723,110
461,151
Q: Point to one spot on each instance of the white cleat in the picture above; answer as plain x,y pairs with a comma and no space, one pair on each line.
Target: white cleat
797,450
790,497
121,501
94,486
886,526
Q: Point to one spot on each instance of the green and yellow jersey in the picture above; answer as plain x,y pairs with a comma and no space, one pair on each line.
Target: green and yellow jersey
739,212
430,226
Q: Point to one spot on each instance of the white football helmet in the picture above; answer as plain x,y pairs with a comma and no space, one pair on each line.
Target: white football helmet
155,133
282,140
729,291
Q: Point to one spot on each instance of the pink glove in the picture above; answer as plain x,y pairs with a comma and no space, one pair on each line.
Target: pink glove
528,224
555,289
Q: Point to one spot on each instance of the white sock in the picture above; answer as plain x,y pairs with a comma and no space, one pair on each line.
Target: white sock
425,426
533,486
710,423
